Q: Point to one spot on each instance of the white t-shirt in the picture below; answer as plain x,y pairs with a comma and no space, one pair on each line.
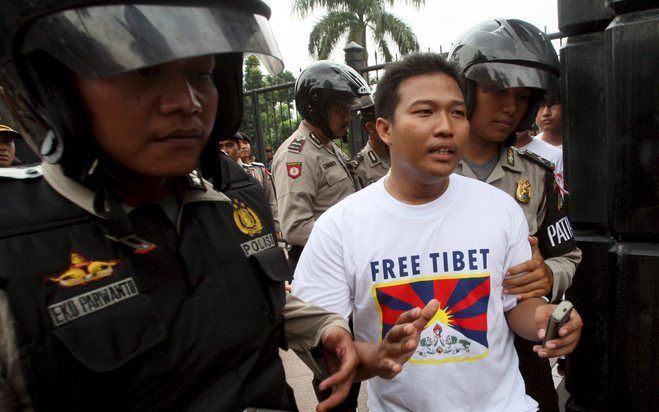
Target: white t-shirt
549,152
375,257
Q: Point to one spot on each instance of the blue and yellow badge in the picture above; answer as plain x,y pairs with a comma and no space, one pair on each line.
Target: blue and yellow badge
458,331
81,271
246,218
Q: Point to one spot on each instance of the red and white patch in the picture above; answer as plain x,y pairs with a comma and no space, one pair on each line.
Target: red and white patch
294,169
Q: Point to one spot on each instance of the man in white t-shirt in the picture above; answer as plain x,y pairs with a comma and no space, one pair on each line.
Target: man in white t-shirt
423,233
542,149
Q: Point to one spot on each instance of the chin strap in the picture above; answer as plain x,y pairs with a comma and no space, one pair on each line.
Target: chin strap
108,206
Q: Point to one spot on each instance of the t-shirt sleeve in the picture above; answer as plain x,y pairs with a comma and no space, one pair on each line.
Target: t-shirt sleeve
519,249
320,276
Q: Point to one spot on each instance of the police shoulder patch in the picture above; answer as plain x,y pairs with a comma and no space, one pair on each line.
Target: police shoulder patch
246,219
294,169
296,145
536,159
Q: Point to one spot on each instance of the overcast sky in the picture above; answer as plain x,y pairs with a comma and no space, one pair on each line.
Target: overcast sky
436,25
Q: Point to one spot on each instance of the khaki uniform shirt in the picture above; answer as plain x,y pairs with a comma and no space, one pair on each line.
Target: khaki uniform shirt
305,324
310,177
368,166
260,173
522,178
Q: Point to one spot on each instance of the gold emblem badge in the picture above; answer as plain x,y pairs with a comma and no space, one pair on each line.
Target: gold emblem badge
523,191
246,218
82,271
510,157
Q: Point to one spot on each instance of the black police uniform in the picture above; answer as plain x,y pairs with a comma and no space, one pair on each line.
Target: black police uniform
195,324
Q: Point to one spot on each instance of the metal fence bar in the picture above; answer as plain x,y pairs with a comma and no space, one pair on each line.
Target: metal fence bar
257,123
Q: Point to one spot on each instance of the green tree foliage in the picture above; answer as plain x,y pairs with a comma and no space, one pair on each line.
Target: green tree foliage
353,18
275,107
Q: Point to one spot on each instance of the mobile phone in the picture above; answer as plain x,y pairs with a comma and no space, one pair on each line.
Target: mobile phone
558,318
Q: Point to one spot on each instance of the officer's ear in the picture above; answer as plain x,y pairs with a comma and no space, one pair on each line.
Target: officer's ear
384,128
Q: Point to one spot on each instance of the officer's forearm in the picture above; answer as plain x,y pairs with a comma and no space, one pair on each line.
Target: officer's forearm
305,325
563,268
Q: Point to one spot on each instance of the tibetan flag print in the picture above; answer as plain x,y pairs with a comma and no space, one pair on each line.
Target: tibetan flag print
458,331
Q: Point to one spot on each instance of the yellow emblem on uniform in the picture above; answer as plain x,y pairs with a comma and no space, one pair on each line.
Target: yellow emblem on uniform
82,271
510,156
523,191
246,218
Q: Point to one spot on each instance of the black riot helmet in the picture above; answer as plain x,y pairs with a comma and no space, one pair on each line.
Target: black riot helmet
328,82
501,54
43,42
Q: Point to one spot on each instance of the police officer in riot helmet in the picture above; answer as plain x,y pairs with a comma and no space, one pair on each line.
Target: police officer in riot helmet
130,271
508,65
310,170
311,173
372,162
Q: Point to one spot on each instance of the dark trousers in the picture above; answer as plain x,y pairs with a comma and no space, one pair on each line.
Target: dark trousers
537,376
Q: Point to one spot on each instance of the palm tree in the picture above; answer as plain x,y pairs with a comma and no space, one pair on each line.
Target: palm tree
354,17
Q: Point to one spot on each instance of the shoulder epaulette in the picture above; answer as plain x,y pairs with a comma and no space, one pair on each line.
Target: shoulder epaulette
316,141
296,145
259,164
356,160
537,159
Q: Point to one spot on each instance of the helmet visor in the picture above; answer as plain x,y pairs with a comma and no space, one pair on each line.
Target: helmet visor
105,40
359,102
497,76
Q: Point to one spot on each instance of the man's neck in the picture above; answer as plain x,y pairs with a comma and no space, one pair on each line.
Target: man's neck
480,151
138,192
414,192
319,133
553,138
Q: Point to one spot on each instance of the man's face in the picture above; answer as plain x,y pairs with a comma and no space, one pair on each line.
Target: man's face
498,113
427,135
7,149
154,122
244,148
231,147
549,118
338,119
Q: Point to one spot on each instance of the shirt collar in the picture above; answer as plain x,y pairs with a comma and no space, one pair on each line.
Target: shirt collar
84,198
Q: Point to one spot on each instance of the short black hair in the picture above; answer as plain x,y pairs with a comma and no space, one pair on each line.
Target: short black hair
414,64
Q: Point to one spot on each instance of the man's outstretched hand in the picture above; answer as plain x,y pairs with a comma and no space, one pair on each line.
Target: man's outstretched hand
386,359
399,344
341,357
